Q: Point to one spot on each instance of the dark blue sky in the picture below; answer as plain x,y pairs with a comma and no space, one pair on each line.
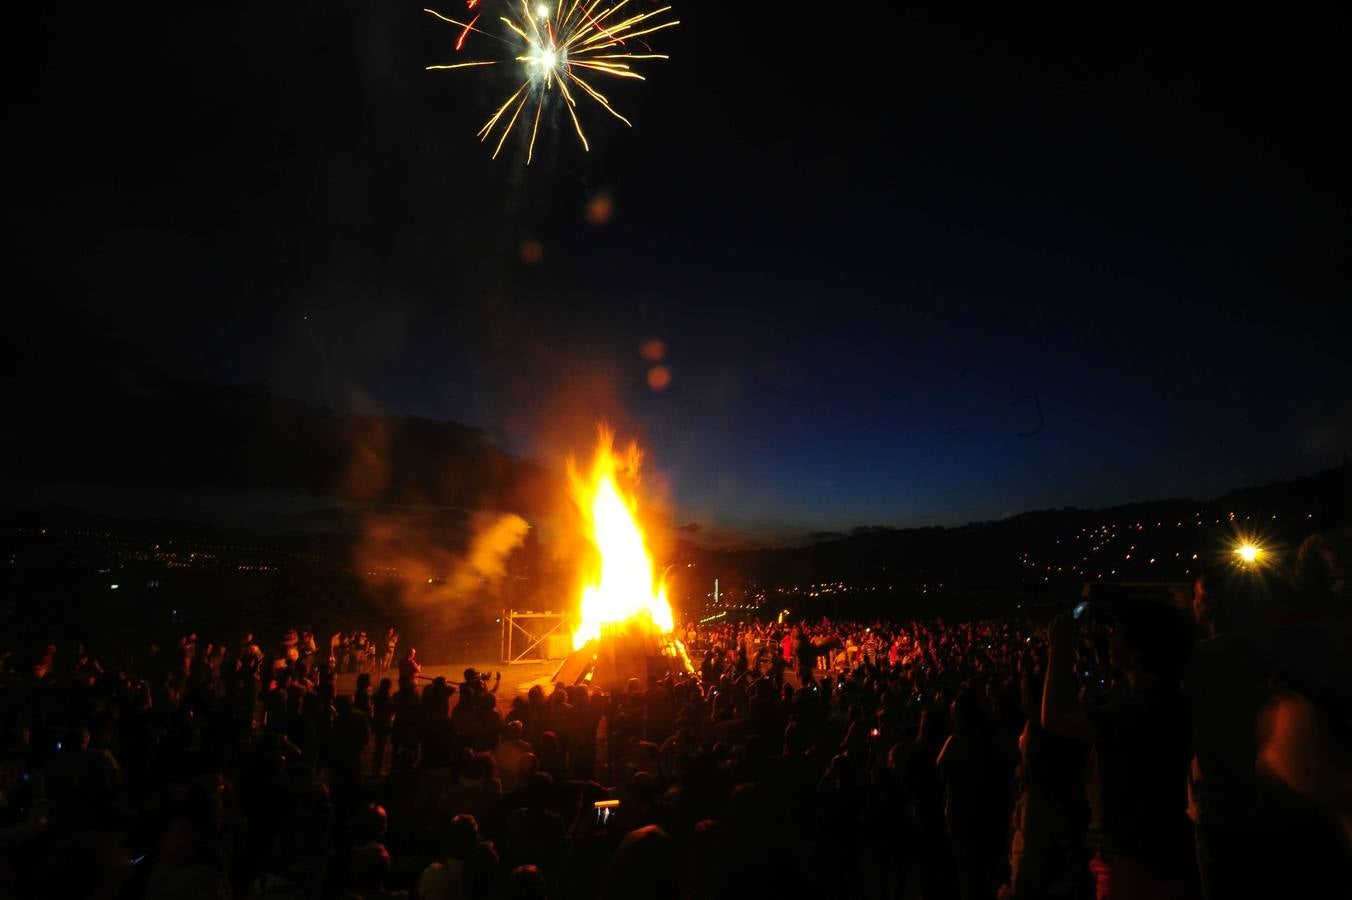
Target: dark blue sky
863,239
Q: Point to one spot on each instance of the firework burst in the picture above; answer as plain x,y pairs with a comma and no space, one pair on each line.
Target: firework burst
556,44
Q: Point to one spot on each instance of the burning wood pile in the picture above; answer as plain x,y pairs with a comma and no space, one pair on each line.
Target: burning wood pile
625,626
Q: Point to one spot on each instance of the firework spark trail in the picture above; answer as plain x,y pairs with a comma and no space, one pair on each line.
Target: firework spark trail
460,43
462,24
550,48
508,130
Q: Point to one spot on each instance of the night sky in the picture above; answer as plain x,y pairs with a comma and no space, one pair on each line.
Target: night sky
911,264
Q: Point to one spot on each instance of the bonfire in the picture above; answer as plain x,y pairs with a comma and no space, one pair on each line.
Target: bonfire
624,627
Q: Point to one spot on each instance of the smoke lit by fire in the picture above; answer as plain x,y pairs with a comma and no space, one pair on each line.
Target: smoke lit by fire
437,558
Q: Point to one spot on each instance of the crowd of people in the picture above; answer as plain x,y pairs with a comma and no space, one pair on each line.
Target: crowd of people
1124,751
349,652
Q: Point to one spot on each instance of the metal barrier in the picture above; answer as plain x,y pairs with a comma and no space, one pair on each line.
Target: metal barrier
514,634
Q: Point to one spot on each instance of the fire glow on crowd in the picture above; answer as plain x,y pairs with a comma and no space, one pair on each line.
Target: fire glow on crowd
1058,755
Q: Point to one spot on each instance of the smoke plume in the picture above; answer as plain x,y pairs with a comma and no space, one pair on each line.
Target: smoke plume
433,555
494,537
438,564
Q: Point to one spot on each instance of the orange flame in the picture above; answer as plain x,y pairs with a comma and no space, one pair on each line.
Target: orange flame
622,589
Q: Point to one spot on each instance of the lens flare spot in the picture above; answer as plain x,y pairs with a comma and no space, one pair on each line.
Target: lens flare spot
599,209
653,350
532,252
659,378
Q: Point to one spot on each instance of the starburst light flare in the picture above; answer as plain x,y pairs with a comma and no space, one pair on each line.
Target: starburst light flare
553,42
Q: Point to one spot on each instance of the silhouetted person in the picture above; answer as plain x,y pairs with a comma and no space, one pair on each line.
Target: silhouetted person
370,868
382,722
409,667
967,765
644,865
526,883
1139,752
807,657
445,878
